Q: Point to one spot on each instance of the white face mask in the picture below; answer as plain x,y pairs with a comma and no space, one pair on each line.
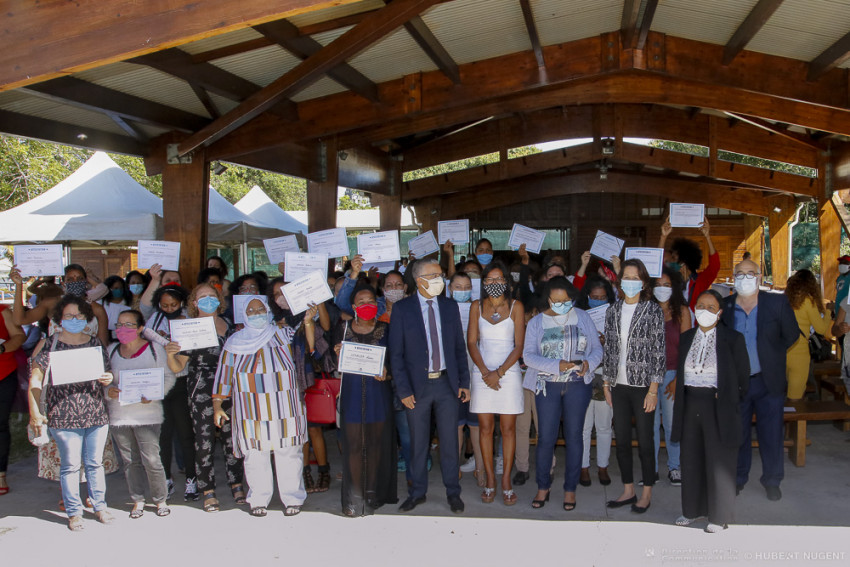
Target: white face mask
663,294
746,286
435,287
843,268
705,318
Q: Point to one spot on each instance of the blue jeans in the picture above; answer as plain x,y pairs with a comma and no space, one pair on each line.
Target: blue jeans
86,445
403,429
664,412
567,401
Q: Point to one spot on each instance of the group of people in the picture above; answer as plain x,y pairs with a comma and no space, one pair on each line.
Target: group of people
672,354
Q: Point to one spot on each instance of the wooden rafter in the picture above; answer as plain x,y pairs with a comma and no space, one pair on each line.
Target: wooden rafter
422,34
129,127
832,57
531,29
778,129
371,29
748,29
646,23
629,21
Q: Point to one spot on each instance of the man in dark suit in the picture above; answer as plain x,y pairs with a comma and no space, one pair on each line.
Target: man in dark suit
770,328
429,367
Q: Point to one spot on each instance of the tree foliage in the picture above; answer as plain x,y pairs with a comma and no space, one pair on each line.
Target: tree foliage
468,163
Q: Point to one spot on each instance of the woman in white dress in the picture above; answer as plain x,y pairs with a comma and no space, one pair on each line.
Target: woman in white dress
495,340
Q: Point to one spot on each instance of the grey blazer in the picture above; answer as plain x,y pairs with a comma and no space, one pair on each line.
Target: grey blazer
645,360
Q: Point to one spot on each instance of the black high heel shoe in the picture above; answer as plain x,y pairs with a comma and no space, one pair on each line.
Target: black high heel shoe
537,504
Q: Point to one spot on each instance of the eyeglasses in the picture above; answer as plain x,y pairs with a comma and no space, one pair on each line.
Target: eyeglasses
252,311
748,275
72,316
494,280
126,325
246,288
432,277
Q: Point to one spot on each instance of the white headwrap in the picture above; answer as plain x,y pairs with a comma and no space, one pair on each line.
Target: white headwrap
250,340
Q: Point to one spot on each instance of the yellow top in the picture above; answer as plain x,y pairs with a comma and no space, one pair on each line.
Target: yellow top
809,316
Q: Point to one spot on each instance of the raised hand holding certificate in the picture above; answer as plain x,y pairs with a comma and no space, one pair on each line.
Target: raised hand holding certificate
146,383
76,365
162,252
43,260
312,288
652,258
423,244
455,230
299,264
597,315
332,242
604,246
379,247
686,215
356,358
277,247
193,334
533,239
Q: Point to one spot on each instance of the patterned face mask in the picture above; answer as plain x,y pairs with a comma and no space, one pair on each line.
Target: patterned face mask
77,289
496,289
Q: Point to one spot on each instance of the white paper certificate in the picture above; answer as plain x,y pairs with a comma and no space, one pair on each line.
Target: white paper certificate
597,315
196,333
162,252
299,264
605,246
686,215
533,239
464,315
147,383
277,247
381,267
379,246
44,260
356,358
652,258
455,230
312,288
332,242
76,365
423,244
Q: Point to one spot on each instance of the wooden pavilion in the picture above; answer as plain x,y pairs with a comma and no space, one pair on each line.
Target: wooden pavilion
359,92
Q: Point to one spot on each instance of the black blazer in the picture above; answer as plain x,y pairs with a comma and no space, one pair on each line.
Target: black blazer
733,379
777,332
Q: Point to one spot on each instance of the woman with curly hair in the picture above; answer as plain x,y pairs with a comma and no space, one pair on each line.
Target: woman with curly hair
803,293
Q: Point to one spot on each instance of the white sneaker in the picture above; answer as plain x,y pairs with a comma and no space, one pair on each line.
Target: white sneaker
191,492
675,477
500,465
469,465
715,528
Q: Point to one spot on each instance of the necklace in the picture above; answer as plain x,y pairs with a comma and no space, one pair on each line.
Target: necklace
495,316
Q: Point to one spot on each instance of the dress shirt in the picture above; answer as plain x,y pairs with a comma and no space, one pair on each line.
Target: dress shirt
747,325
423,305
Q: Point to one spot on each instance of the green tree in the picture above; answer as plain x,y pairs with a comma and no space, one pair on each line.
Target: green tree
468,163
346,203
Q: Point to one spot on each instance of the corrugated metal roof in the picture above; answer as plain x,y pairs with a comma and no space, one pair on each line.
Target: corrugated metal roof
802,29
43,108
712,22
335,12
261,66
559,21
322,87
222,40
392,58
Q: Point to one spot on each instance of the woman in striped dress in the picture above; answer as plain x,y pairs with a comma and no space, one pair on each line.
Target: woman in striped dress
257,371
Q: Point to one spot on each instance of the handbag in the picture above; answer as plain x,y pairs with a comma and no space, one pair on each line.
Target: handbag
820,349
321,399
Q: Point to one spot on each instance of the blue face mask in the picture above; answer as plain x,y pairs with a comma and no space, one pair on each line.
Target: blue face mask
675,266
259,321
136,288
208,304
593,303
484,259
562,308
74,325
462,296
117,293
631,287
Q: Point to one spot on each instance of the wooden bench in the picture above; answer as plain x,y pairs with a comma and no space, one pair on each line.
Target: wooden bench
802,414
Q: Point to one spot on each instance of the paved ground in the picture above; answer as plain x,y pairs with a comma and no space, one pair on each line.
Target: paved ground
810,525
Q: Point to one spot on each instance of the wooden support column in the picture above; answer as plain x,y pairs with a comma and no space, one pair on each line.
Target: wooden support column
428,214
713,125
321,195
754,229
390,204
185,206
778,221
829,228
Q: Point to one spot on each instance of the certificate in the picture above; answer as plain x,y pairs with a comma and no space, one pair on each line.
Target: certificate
464,315
356,358
381,267
379,246
76,365
196,333
597,315
137,384
455,230
239,304
332,242
533,239
312,288
652,258
162,252
423,244
686,215
44,260
277,247
605,246
299,264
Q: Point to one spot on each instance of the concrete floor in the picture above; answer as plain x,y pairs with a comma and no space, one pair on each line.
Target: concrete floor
810,525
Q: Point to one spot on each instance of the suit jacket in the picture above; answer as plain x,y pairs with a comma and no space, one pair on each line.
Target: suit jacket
777,332
409,346
733,379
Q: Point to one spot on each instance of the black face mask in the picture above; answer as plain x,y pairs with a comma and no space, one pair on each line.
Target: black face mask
292,320
173,315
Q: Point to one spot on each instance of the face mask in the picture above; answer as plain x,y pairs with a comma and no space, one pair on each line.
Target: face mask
435,287
663,294
77,289
631,287
366,312
136,288
259,321
125,335
592,303
562,308
117,293
496,289
74,325
484,259
746,286
843,268
675,266
515,277
705,318
393,295
173,315
208,304
462,296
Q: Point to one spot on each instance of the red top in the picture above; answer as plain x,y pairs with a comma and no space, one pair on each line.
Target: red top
704,279
8,363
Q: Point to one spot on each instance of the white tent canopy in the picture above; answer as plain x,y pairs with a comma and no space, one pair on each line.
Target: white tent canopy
229,224
257,205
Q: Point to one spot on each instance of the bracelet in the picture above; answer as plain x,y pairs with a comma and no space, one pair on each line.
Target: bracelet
653,394
500,374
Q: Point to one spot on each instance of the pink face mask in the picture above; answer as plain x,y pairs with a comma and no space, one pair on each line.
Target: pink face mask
125,335
281,302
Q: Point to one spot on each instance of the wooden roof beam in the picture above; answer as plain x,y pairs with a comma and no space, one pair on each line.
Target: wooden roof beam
629,21
832,57
646,23
748,29
531,28
129,127
370,30
422,34
777,129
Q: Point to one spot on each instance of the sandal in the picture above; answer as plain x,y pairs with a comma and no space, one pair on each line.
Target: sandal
211,503
324,481
292,510
259,512
509,497
238,493
162,510
488,495
309,483
75,523
137,513
104,517
537,504
569,506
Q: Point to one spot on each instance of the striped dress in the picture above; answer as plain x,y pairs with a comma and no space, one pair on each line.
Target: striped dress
267,411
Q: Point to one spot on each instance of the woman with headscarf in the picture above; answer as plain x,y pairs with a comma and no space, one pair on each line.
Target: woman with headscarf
256,370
